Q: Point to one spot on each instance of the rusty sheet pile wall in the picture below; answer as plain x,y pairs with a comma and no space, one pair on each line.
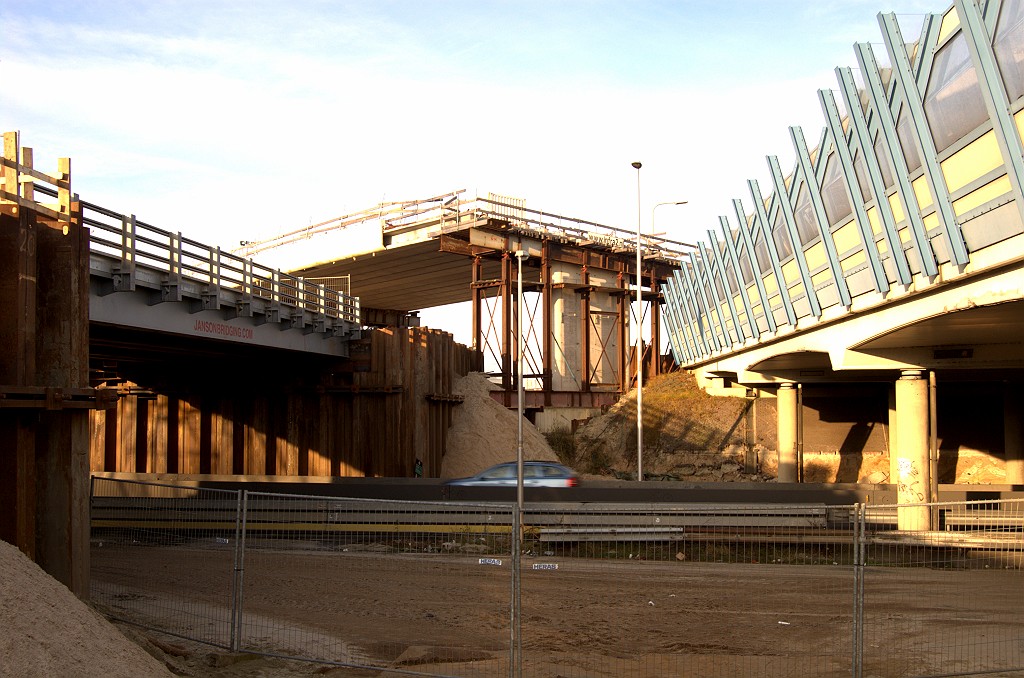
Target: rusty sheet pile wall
375,415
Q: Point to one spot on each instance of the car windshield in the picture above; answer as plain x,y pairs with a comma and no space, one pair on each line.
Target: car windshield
499,473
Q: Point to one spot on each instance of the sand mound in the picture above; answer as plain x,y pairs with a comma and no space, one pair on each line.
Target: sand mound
46,631
483,433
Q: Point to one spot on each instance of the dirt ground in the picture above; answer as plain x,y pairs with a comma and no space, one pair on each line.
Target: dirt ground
701,610
447,613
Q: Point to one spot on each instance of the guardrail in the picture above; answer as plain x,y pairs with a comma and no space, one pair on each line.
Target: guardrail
127,250
131,251
804,523
451,212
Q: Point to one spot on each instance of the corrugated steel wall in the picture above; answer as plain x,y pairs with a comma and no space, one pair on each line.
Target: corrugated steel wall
389,406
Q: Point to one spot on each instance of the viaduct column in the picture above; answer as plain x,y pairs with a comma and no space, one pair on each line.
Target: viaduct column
894,471
913,467
788,425
1013,433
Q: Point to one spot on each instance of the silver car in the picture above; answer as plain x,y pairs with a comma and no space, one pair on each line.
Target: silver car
535,474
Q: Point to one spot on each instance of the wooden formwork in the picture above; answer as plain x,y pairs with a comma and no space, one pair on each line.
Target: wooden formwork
44,384
378,414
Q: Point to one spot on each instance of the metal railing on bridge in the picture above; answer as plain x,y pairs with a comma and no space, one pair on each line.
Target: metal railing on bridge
130,251
453,211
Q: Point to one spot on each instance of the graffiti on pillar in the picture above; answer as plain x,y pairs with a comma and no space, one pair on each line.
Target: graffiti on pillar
909,480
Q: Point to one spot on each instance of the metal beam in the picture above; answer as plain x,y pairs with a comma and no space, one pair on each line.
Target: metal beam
698,342
896,158
708,273
723,274
814,193
730,247
862,134
853,194
755,267
903,73
789,219
761,218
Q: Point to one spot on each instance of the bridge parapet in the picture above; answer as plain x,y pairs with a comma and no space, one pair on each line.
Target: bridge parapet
127,255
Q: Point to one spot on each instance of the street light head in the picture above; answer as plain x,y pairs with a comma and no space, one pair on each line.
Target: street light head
636,165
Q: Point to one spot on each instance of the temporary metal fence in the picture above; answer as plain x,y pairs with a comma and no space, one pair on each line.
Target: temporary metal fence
943,601
460,589
149,542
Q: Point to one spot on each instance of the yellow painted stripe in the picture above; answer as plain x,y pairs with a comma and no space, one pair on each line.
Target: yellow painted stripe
974,160
790,272
986,193
853,261
950,23
876,223
815,256
821,277
896,206
846,237
924,196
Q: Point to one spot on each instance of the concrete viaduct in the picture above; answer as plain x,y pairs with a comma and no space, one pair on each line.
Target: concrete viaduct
892,253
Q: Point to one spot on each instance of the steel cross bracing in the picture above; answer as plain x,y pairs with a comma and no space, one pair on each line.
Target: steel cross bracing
577,315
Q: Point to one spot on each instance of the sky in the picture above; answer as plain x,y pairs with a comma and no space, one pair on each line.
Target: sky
242,120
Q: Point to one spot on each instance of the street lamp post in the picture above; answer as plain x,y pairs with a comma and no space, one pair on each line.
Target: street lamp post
520,255
639,326
639,341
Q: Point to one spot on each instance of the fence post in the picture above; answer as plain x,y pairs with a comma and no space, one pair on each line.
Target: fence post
236,584
515,648
858,590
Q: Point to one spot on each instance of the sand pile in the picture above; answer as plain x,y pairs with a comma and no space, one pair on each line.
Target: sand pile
46,631
483,433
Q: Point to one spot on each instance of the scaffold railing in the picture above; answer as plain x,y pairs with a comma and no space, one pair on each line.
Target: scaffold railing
451,212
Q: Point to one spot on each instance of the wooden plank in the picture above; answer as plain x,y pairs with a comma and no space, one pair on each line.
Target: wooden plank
256,428
59,180
189,440
126,429
157,436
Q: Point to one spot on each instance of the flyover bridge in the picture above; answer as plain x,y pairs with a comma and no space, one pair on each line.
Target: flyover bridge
578,280
892,252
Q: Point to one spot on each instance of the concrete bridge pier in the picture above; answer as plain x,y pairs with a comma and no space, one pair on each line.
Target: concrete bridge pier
788,432
1013,433
913,479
